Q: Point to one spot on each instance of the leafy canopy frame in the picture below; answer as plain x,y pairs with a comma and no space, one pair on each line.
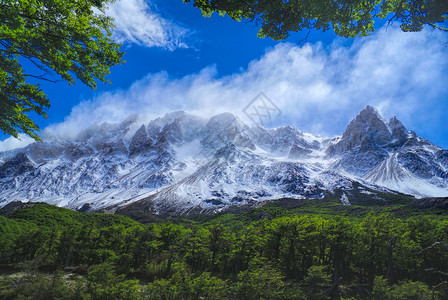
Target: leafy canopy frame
71,38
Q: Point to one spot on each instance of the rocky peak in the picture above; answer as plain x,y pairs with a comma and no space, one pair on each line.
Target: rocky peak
140,142
222,120
224,129
368,128
187,125
168,119
220,130
46,150
99,135
284,137
172,132
399,132
18,165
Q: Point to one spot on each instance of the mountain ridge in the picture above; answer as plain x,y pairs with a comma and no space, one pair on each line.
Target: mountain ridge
180,163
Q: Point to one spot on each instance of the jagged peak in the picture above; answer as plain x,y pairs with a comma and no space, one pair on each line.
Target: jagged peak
131,119
179,116
376,123
368,120
223,121
171,116
174,115
395,123
288,129
370,108
369,114
394,119
397,129
141,131
368,127
226,116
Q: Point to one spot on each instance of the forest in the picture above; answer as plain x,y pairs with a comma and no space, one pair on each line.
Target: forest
48,252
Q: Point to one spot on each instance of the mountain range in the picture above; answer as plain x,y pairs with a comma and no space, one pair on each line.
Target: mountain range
181,164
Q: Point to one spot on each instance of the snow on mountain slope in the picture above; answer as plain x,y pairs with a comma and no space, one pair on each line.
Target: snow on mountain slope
387,154
392,174
180,163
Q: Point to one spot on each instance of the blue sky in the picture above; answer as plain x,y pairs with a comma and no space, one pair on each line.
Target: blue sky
177,59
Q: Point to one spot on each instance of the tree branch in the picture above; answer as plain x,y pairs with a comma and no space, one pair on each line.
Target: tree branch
436,271
435,287
41,77
433,245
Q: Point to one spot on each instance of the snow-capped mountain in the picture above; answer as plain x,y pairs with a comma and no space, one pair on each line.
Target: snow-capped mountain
386,153
181,163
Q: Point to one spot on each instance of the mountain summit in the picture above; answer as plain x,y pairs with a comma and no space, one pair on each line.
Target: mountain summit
369,129
181,164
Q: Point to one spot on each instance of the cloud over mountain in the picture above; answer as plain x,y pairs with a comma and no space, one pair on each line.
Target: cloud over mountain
318,89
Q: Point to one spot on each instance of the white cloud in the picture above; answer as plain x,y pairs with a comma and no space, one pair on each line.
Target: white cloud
136,22
13,143
318,89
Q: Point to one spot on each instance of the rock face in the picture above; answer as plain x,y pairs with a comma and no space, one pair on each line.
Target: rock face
367,141
9,209
367,130
387,154
181,164
17,165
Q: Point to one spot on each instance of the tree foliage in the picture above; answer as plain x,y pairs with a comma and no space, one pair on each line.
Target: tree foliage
290,257
70,38
348,18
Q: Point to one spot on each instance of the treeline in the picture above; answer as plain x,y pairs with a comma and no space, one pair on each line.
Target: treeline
68,255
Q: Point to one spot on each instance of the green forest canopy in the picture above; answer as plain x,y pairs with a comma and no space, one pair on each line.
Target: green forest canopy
348,18
281,255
